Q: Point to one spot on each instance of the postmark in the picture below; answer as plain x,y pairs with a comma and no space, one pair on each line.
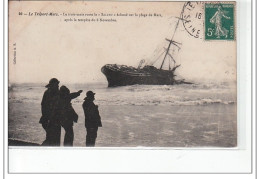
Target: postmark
219,21
193,18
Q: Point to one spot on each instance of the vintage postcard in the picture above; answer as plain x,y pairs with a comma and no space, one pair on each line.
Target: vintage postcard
122,74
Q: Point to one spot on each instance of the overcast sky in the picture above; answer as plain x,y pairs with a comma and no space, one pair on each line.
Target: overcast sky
74,52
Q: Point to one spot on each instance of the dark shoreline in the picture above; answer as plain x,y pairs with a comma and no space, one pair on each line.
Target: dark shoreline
17,142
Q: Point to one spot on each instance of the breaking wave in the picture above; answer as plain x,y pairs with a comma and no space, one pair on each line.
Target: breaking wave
139,95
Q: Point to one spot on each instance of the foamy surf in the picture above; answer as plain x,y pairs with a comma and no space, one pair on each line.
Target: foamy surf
138,95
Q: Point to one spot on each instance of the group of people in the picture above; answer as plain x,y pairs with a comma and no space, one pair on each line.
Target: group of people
57,112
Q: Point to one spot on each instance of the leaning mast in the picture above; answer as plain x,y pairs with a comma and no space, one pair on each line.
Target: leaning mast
171,42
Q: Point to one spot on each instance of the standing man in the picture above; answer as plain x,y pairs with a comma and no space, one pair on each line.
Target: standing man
92,119
50,125
67,115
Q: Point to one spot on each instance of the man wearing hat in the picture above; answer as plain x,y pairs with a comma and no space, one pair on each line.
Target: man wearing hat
49,120
92,118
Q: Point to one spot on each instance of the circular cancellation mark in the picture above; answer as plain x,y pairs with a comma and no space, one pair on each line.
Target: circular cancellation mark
193,18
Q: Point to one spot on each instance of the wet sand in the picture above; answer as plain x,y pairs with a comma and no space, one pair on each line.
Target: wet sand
212,125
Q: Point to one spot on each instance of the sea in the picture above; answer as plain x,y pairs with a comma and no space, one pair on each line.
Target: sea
184,115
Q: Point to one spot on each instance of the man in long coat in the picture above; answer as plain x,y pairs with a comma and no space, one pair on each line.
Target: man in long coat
92,119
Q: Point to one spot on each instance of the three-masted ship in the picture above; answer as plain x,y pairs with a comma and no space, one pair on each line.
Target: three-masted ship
122,75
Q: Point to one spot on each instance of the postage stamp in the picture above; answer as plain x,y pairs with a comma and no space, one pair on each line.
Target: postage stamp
219,22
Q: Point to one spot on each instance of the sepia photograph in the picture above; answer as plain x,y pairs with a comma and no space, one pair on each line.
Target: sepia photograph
122,74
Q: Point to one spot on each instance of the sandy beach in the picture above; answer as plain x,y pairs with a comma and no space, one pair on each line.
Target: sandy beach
211,125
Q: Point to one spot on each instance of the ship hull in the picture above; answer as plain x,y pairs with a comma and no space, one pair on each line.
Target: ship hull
117,77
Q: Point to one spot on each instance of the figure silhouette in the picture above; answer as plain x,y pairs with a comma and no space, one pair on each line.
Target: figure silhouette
52,112
68,115
92,119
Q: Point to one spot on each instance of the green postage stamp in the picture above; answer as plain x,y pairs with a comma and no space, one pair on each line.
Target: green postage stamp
219,21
